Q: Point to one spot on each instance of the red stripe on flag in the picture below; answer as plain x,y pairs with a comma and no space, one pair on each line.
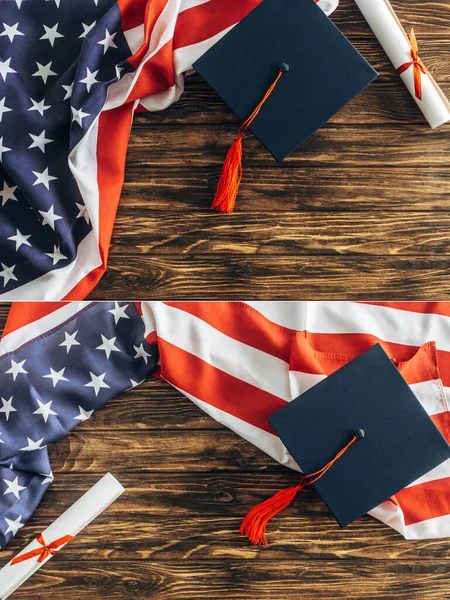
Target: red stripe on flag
243,324
323,353
424,308
24,313
425,501
110,177
153,11
202,22
217,388
193,25
133,13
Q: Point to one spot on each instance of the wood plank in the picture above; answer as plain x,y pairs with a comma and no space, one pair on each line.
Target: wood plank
412,147
154,405
4,310
237,580
92,450
165,517
318,233
269,189
286,278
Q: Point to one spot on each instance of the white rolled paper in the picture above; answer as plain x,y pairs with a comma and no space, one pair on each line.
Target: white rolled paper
76,518
386,26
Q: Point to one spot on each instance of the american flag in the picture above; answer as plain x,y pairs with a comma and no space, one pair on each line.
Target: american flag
238,361
72,74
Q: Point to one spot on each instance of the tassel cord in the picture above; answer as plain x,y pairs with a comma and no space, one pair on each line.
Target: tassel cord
255,523
231,175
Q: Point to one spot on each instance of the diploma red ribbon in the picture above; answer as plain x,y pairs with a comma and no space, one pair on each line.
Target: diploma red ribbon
45,551
417,63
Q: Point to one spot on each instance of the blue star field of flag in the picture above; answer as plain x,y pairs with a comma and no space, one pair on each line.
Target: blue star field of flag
49,387
57,61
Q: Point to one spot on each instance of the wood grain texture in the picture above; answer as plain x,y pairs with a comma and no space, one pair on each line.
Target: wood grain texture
306,580
280,278
367,190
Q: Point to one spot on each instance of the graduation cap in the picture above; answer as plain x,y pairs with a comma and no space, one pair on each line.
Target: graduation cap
284,70
360,435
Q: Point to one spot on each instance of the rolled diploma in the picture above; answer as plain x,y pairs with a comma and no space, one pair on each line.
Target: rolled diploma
386,26
76,518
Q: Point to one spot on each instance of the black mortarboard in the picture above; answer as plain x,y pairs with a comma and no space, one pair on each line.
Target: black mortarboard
325,72
369,403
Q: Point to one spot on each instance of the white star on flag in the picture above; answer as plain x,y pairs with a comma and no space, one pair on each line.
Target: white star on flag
89,80
13,487
70,341
3,108
7,407
40,141
49,217
87,29
33,445
56,376
56,255
108,42
8,274
19,3
43,178
51,34
108,346
135,383
84,414
119,312
83,212
8,193
78,115
3,149
16,368
11,31
5,69
48,478
44,71
41,107
97,382
14,526
20,239
68,89
141,353
44,410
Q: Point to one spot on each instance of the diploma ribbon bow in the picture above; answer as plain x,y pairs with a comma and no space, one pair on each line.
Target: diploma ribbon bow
417,63
44,551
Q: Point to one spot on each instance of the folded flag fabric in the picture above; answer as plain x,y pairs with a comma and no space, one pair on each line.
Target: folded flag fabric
239,362
72,74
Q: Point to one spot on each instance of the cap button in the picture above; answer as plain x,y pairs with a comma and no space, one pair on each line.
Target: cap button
284,67
360,433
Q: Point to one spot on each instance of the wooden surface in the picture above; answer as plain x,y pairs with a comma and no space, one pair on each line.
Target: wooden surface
359,211
174,534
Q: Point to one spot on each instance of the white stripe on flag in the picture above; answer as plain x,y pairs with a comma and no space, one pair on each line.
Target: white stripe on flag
197,337
21,336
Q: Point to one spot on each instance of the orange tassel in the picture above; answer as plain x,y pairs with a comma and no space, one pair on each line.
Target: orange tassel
255,523
230,178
